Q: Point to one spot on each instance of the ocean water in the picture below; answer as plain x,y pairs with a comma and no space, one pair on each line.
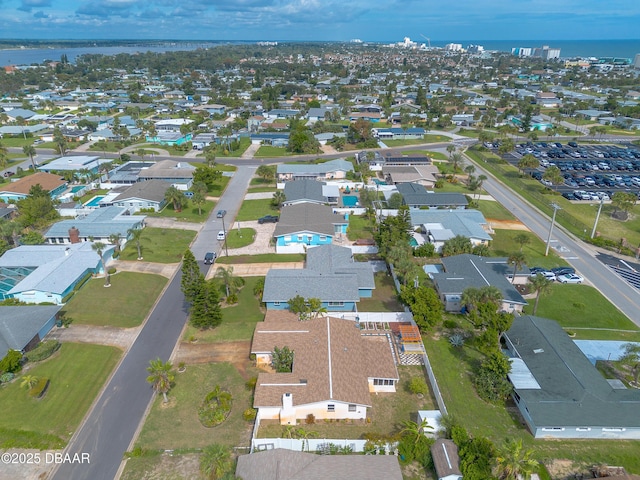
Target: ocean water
568,48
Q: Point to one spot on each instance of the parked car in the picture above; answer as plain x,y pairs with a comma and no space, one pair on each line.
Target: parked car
546,274
563,270
221,235
209,258
221,213
268,219
570,278
535,270
9,174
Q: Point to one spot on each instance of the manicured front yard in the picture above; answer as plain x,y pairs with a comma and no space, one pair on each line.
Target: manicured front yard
494,210
238,238
504,244
176,425
238,321
76,372
262,258
190,213
124,304
254,209
269,151
160,245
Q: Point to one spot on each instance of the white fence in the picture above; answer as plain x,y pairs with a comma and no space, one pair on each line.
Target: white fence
371,249
378,317
315,445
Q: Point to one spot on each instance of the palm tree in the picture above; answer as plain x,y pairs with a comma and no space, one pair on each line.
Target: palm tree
99,248
215,461
456,160
450,149
514,461
491,294
470,298
541,285
199,198
176,197
114,239
160,376
522,239
30,151
29,381
631,357
528,161
517,259
136,235
278,199
553,175
231,283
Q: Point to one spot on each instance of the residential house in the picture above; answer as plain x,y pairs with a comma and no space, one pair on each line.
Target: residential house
446,460
330,274
46,273
281,464
22,328
424,175
128,173
405,160
172,124
417,196
19,189
275,139
169,138
97,226
282,113
74,163
464,271
310,191
146,195
333,169
438,226
548,99
178,174
308,224
314,114
22,130
559,392
15,113
398,133
335,369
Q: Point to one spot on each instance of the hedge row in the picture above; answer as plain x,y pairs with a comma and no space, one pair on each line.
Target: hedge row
43,351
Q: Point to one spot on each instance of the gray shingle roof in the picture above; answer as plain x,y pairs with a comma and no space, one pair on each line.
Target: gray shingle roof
169,169
416,195
308,217
152,190
467,223
304,189
100,223
282,285
280,464
336,259
572,392
18,325
464,271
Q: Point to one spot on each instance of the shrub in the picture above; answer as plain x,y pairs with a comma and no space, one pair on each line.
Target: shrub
232,298
40,388
11,362
311,419
249,414
111,270
251,383
450,324
43,351
215,408
418,385
7,377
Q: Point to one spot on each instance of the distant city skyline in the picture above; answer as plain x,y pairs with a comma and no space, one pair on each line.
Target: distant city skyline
330,20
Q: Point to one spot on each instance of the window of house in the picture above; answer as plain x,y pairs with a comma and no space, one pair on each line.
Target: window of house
583,429
331,407
323,238
554,429
352,408
300,238
613,429
276,304
336,304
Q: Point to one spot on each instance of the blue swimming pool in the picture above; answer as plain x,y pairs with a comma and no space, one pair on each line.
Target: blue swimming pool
94,202
77,188
349,201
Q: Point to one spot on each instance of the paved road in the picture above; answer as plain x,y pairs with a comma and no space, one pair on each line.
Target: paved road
112,423
581,256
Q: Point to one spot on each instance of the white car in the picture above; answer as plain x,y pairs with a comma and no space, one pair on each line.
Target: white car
221,235
570,278
545,273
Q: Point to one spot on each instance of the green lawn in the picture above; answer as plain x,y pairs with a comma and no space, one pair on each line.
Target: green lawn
76,372
582,306
494,210
430,154
124,304
17,141
240,238
176,425
503,245
238,321
388,411
254,209
160,245
359,227
190,213
269,151
384,297
262,258
261,182
453,372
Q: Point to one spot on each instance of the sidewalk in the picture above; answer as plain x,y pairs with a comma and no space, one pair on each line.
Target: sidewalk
255,269
164,269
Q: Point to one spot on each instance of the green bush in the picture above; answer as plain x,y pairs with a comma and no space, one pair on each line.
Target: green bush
43,351
7,377
251,383
249,414
12,362
40,388
450,324
215,408
232,298
418,385
111,270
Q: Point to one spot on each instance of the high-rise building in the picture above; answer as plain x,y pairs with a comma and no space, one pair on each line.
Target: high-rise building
636,61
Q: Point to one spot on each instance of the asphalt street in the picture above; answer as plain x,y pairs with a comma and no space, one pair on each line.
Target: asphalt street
579,255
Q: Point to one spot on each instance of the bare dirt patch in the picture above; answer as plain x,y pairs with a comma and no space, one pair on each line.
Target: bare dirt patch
507,224
234,353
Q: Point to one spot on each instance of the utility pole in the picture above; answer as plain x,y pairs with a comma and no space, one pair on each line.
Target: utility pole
226,247
595,224
553,220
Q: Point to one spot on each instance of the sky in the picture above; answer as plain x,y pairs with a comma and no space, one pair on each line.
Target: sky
322,20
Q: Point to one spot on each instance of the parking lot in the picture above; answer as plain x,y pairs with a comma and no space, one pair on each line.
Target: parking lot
590,172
